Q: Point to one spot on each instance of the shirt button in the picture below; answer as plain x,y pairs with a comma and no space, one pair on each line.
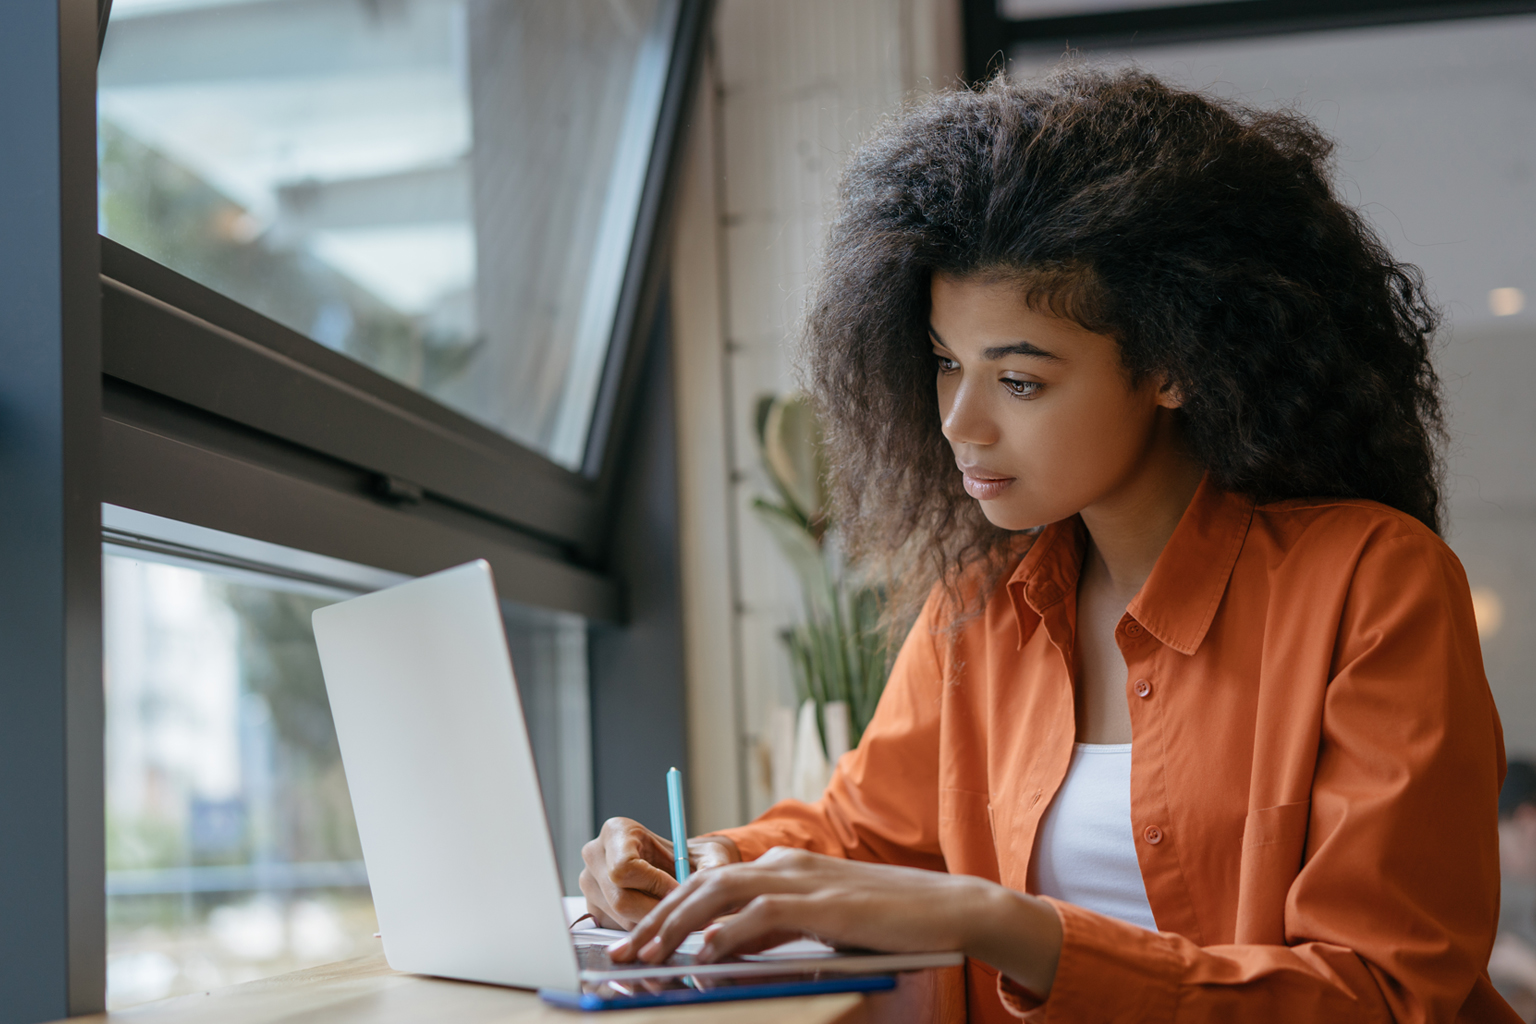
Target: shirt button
1143,688
1133,629
1153,835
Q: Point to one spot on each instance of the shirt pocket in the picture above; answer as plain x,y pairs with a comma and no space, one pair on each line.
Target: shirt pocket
1274,841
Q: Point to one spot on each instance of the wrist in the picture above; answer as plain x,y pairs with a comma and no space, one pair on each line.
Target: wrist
725,846
1018,934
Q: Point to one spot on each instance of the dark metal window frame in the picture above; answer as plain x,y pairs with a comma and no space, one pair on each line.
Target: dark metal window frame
128,384
990,39
52,904
194,378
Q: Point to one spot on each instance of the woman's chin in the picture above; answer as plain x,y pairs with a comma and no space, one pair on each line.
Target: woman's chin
1008,516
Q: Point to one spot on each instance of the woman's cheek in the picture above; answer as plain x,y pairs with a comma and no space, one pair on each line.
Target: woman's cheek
1053,470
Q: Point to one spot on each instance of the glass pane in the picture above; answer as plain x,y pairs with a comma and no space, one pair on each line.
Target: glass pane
232,853
445,190
231,849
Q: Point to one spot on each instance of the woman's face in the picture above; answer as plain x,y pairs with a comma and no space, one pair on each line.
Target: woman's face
1040,412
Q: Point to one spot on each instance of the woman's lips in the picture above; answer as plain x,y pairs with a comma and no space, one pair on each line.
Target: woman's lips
984,487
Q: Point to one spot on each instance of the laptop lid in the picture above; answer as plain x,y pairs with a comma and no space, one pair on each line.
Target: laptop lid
443,785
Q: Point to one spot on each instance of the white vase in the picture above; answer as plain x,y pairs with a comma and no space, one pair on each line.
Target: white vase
835,720
781,752
808,777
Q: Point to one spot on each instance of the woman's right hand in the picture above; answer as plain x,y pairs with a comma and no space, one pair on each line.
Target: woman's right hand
629,870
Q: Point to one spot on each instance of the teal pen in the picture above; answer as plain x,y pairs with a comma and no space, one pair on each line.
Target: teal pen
679,825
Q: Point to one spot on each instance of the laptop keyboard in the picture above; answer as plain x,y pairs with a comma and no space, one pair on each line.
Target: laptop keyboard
594,957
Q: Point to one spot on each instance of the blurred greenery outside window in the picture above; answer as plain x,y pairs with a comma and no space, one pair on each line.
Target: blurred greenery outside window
232,852
399,181
231,849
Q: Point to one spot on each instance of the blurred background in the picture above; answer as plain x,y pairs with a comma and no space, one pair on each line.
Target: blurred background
446,192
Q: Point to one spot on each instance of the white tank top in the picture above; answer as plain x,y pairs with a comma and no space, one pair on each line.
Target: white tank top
1086,851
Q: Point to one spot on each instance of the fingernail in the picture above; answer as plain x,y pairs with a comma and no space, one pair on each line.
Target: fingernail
651,949
619,948
706,954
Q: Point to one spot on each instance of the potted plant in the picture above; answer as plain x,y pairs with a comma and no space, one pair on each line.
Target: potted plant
839,652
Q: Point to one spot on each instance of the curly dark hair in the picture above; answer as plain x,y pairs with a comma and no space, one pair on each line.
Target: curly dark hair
1204,236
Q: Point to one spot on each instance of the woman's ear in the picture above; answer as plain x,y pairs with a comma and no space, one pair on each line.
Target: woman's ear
1169,395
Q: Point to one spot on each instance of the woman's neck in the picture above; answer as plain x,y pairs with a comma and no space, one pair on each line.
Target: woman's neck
1128,531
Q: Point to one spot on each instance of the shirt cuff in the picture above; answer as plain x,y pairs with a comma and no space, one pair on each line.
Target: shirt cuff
1109,970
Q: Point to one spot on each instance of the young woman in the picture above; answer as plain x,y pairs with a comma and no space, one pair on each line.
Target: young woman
1193,725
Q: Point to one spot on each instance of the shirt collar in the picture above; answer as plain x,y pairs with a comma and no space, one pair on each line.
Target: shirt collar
1048,573
1179,599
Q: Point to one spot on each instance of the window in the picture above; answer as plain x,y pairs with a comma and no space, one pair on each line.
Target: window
399,181
323,379
999,31
231,849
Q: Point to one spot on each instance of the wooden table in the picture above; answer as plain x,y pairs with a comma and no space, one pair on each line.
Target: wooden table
368,991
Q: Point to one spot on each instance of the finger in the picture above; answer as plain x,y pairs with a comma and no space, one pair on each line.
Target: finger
633,841
627,907
595,868
641,875
630,877
706,854
632,891
698,903
596,905
645,929
767,921
631,886
707,895
720,941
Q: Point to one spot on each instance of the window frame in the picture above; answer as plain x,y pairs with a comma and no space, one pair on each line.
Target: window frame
52,903
188,368
97,411
988,36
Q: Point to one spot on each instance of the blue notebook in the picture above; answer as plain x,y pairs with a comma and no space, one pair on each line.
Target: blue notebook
614,994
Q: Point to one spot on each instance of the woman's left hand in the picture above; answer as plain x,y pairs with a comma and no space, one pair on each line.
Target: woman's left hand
789,894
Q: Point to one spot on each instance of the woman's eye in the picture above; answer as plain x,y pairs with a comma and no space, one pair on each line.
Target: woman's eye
1022,388
946,365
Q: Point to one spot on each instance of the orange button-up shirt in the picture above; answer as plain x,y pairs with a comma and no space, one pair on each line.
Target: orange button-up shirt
1314,779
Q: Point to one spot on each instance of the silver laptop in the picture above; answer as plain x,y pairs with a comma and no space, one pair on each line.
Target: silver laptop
460,861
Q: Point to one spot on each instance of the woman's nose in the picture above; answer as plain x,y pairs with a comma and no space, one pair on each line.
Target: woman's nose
966,419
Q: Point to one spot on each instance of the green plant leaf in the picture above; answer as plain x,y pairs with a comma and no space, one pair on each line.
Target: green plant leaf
800,548
840,651
792,452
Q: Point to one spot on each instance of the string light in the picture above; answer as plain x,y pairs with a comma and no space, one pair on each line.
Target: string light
1488,609
1506,301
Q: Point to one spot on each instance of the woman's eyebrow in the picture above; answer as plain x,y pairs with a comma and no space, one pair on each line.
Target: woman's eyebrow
1017,348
